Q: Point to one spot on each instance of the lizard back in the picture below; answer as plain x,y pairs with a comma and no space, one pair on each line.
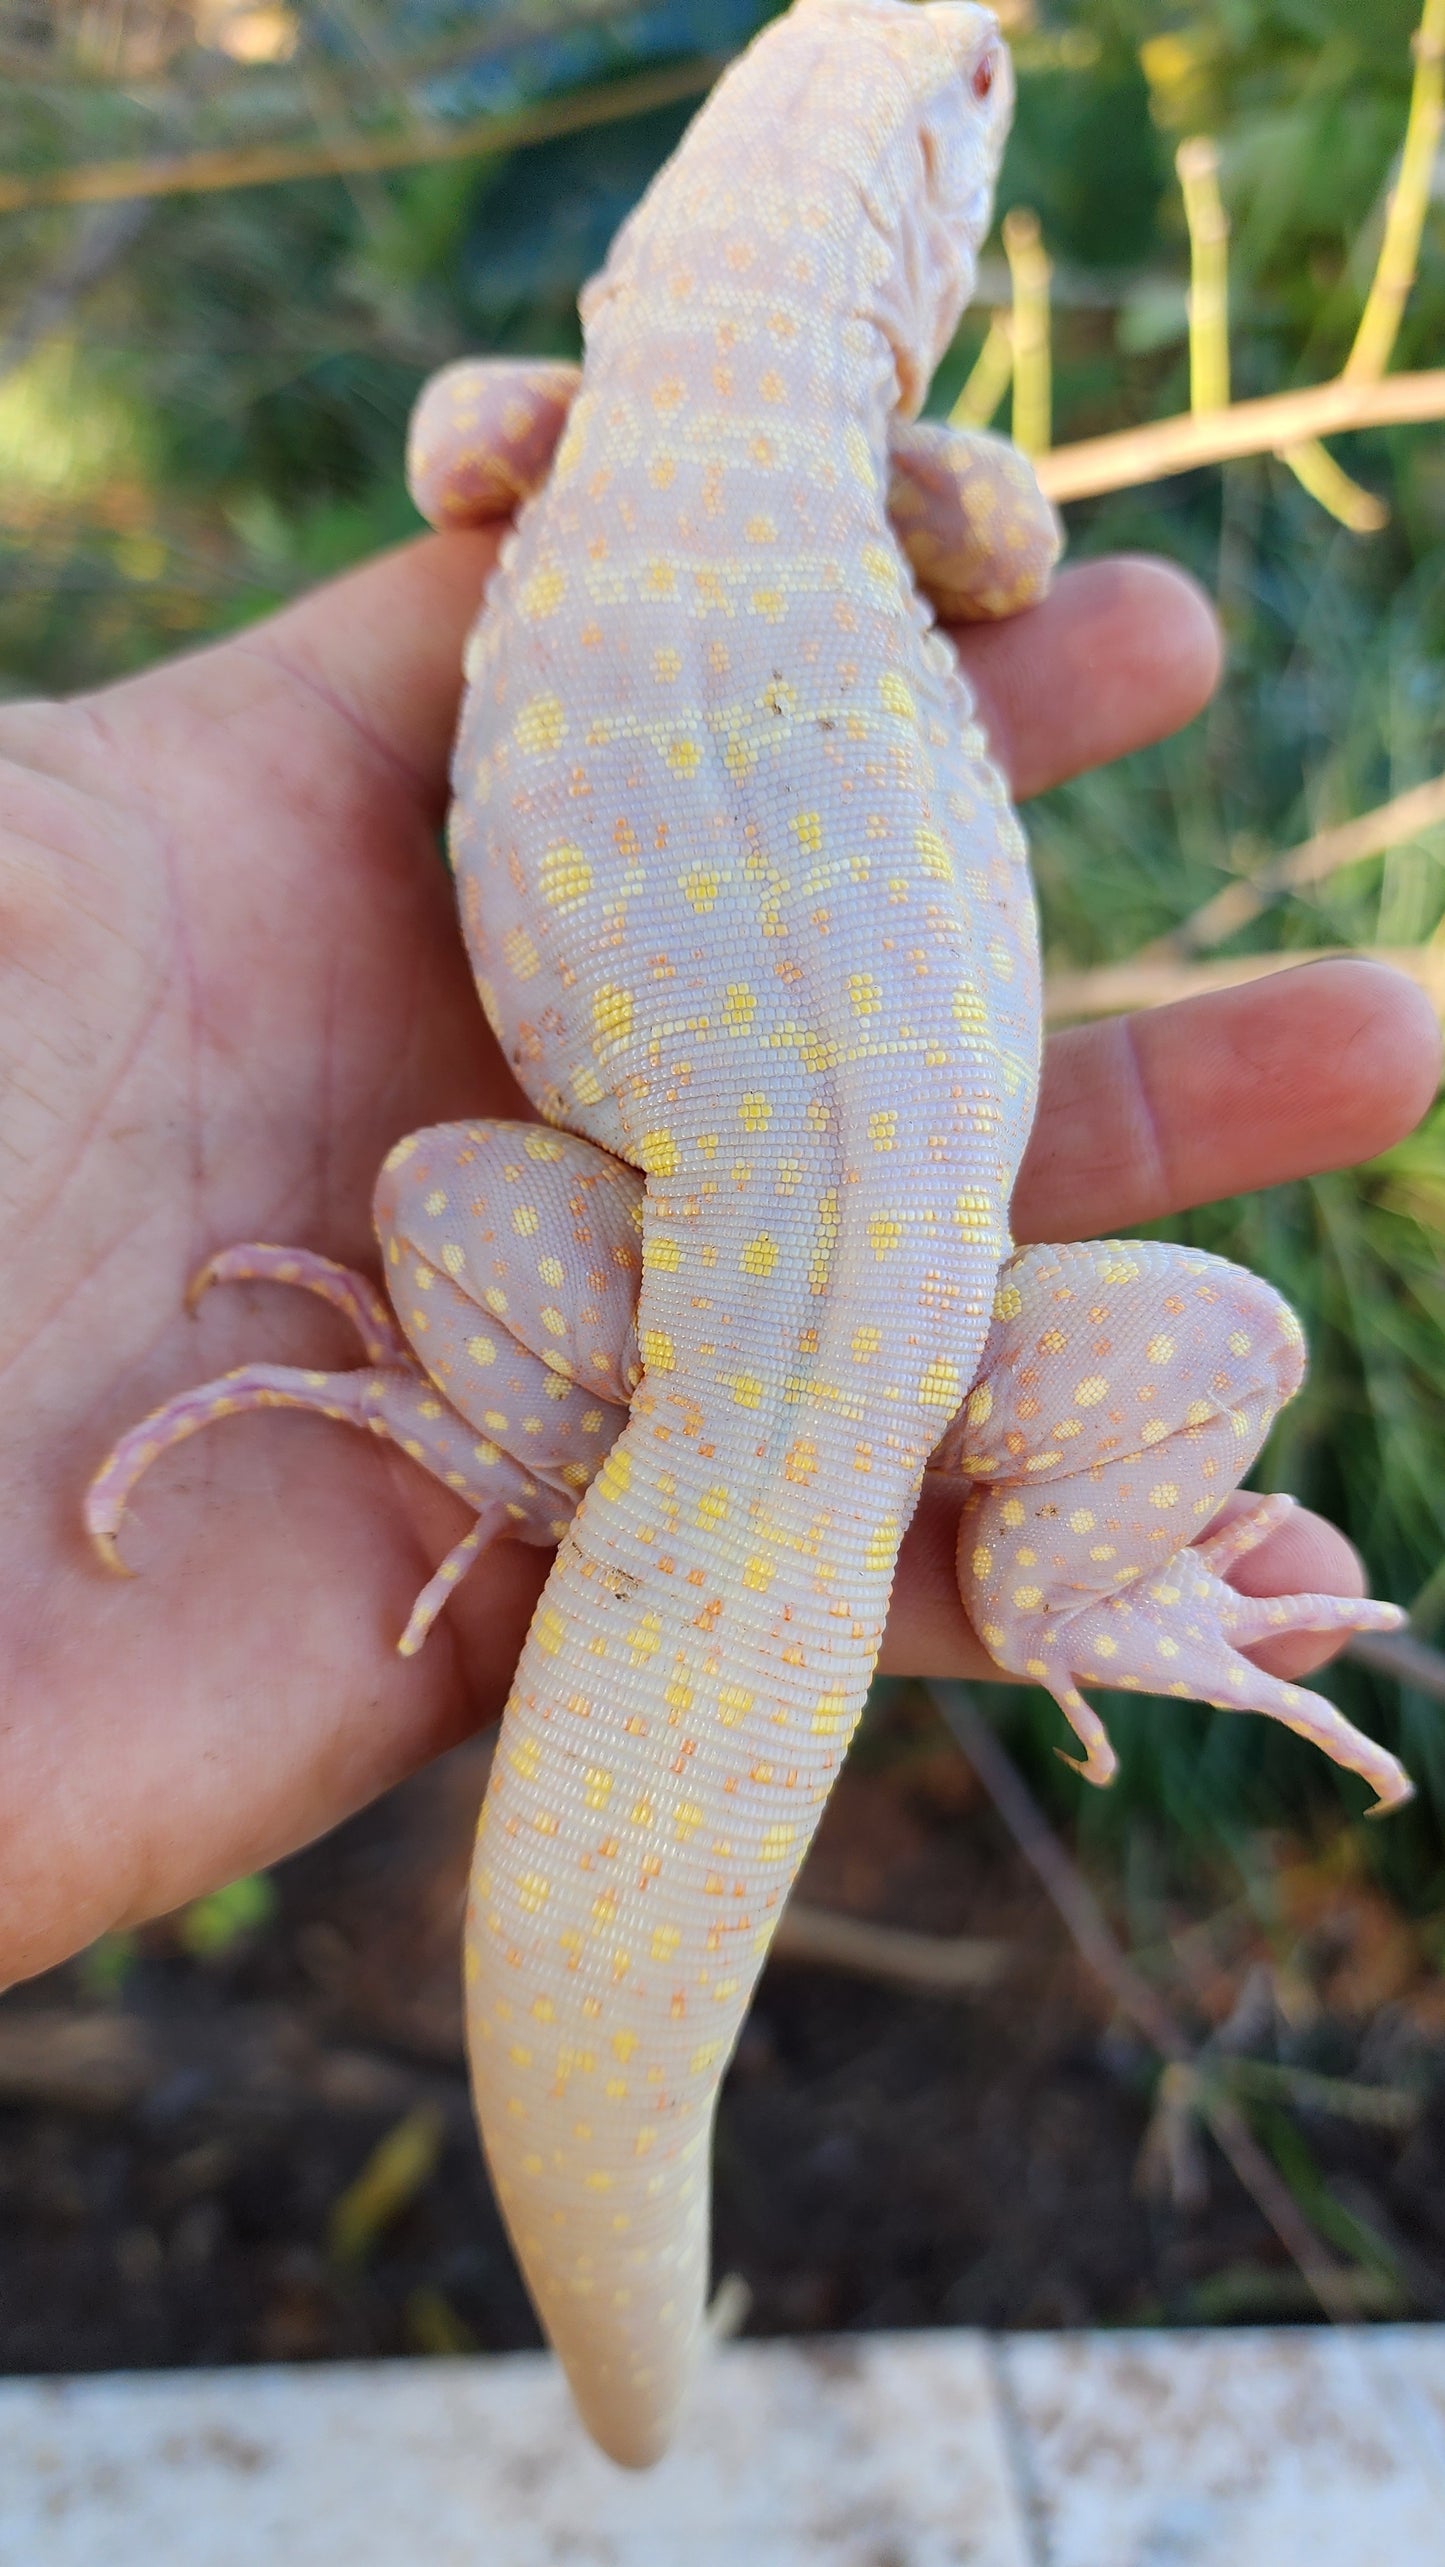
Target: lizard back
748,907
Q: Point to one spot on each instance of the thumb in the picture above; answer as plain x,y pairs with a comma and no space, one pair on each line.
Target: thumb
379,649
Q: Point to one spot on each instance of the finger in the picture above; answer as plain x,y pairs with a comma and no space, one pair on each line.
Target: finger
1304,1556
377,655
1121,652
928,1633
1146,1115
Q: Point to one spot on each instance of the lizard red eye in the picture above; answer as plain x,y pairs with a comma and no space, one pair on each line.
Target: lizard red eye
984,75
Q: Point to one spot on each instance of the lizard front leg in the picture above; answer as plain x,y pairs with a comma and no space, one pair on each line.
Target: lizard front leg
982,538
1125,1389
969,513
483,435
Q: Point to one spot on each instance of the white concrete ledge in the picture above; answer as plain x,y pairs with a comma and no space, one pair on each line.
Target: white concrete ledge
1300,2447
1296,2448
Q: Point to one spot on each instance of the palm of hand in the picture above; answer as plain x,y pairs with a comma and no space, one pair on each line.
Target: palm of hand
225,1000
233,979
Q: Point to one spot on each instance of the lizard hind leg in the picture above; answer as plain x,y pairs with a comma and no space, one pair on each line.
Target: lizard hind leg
502,1422
1125,1389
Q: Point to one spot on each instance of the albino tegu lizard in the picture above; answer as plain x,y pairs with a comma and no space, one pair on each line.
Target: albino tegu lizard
751,918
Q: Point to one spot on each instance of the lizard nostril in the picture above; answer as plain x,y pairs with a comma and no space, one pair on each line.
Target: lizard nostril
984,75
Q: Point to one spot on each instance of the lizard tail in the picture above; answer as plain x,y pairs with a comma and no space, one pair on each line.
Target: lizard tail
692,1677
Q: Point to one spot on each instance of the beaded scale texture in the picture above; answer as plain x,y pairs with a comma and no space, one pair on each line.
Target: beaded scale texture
750,915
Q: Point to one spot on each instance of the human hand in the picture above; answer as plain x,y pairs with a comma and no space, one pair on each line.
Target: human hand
232,980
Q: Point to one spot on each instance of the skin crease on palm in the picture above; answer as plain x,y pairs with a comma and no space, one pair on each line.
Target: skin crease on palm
232,979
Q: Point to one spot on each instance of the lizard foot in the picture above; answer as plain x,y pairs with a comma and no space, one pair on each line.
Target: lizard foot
1126,1386
1182,1631
390,1396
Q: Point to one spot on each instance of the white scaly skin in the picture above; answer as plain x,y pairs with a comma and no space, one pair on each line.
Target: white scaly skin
750,914
748,908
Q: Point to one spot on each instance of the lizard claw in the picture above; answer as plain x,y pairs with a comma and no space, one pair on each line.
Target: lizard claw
1099,1764
1184,1632
107,1550
438,1587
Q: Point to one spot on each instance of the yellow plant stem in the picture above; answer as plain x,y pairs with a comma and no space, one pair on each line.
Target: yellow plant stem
1315,468
1197,162
1394,278
978,403
399,2167
1030,268
1409,203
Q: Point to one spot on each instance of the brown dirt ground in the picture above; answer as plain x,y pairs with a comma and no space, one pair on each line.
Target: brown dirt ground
173,2149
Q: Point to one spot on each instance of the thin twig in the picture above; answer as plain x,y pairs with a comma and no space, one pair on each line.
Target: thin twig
86,2063
1399,1654
1329,2279
944,1964
1151,980
1060,1875
265,164
1391,824
1170,446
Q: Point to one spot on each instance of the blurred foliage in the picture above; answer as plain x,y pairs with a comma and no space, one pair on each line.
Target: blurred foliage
399,2168
211,1928
104,1970
202,408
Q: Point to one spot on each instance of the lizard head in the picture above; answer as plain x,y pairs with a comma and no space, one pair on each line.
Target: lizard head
965,122
930,160
891,117
964,108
